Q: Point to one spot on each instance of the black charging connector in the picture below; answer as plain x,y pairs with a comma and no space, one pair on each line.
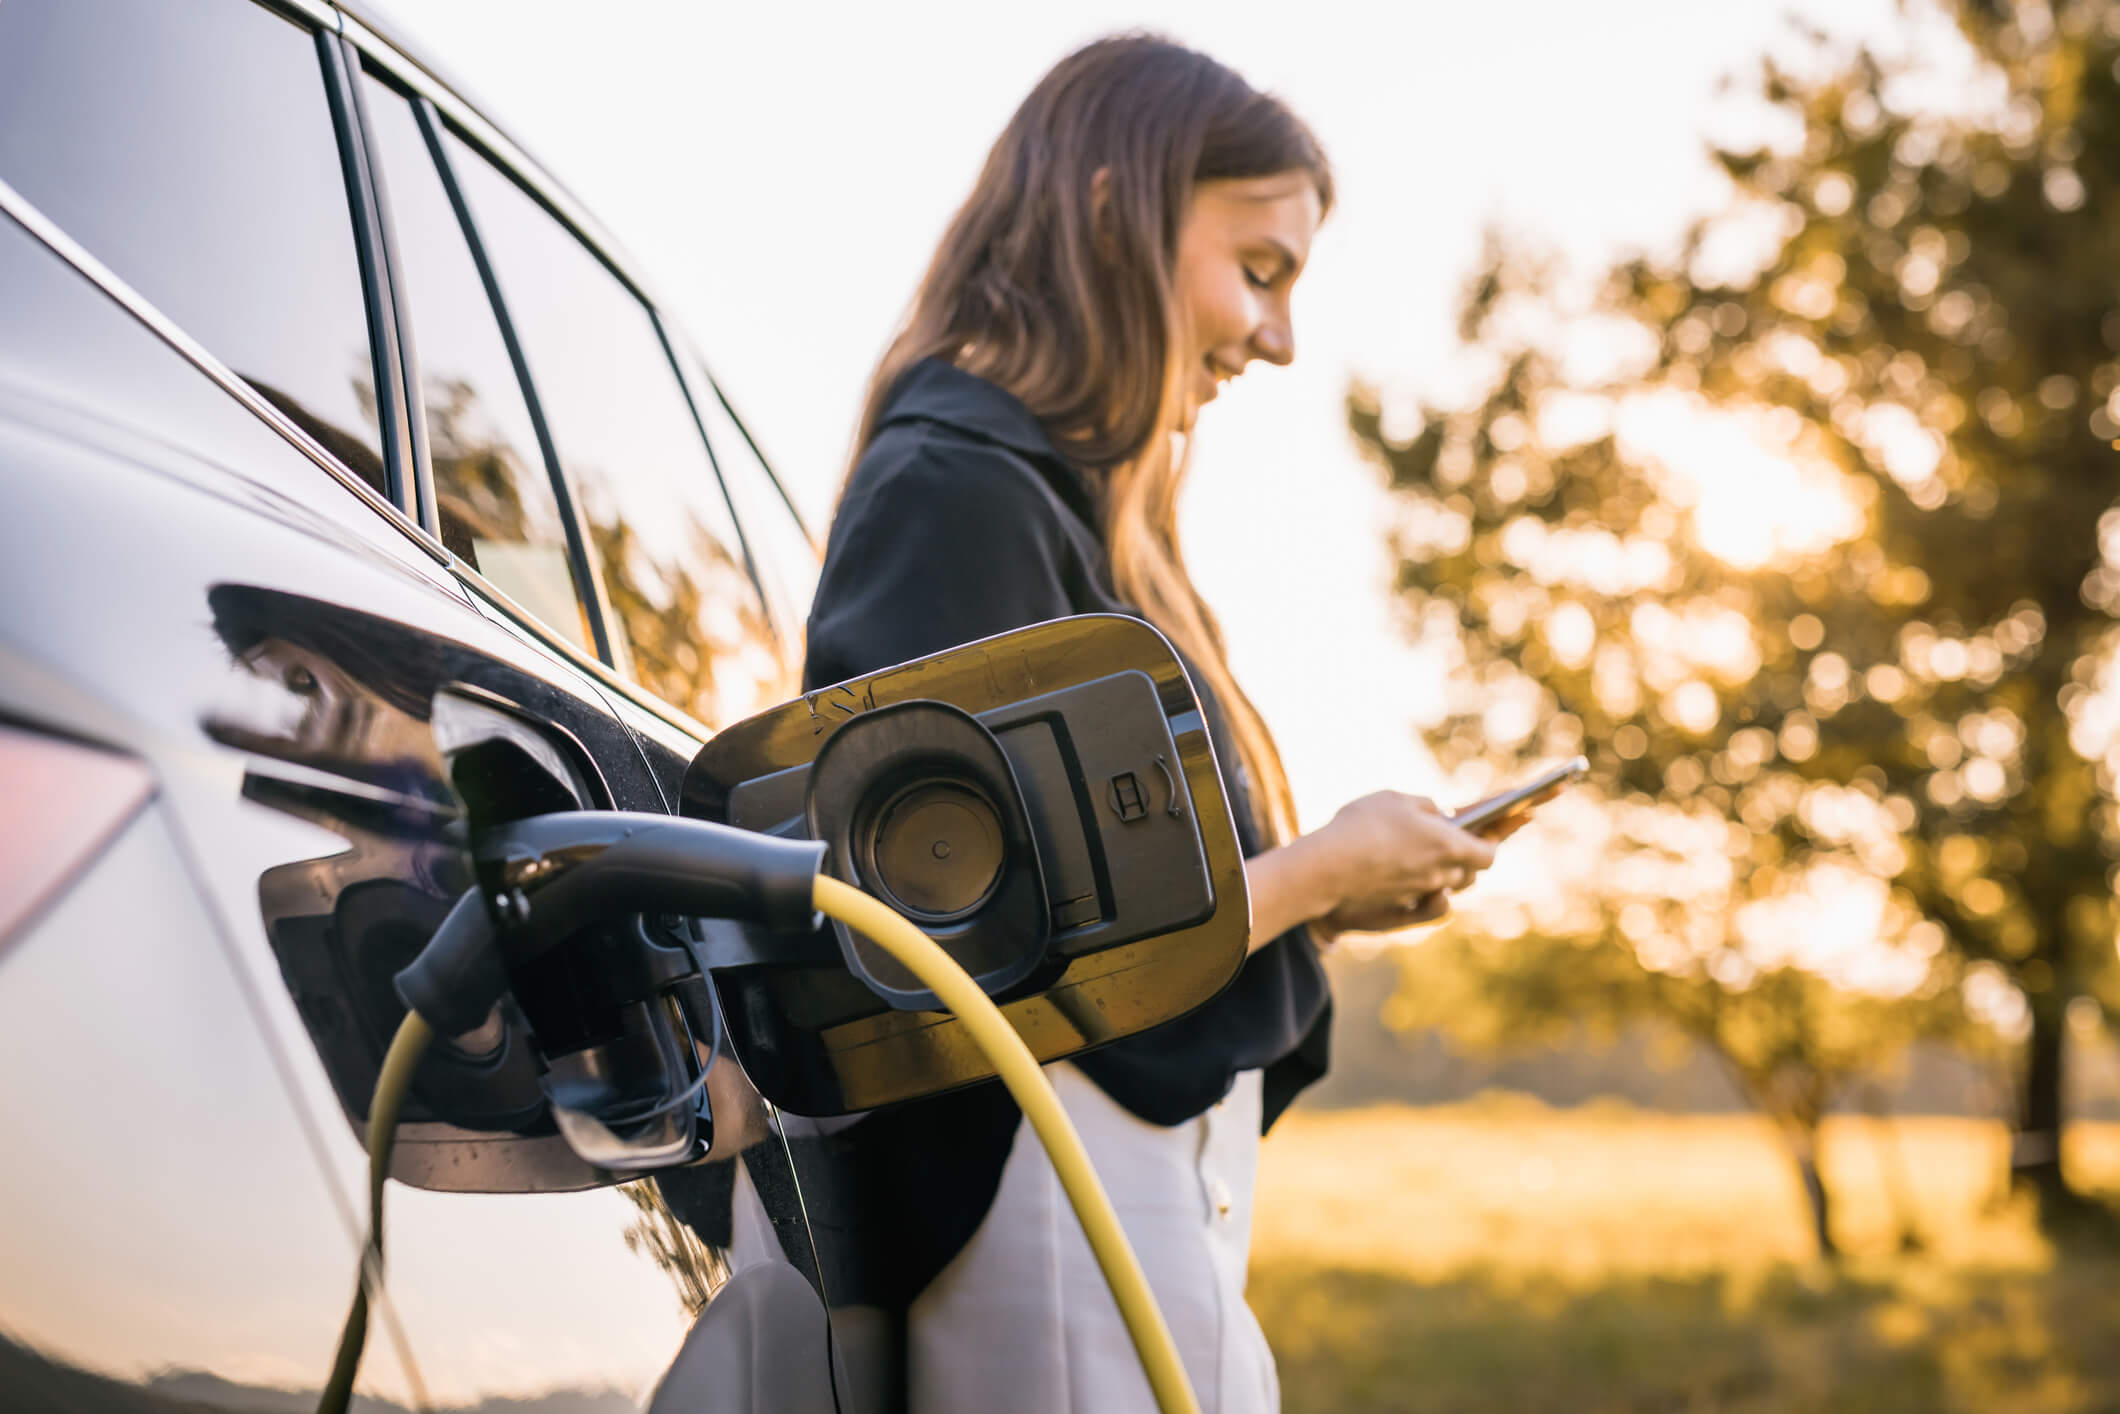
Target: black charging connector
458,976
553,875
606,1058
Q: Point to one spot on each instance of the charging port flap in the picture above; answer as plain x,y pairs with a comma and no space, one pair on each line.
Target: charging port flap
1044,804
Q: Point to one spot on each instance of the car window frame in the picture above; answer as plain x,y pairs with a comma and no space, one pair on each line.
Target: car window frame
611,644
415,491
588,586
371,255
743,430
438,103
692,370
666,334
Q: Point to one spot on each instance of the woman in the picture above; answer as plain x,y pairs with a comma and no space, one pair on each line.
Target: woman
1130,245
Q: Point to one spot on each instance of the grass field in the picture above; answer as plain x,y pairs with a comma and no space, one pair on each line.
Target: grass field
1501,1256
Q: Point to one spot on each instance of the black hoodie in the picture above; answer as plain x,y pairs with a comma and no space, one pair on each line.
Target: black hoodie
962,521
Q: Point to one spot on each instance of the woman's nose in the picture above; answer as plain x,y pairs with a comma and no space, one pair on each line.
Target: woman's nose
1275,341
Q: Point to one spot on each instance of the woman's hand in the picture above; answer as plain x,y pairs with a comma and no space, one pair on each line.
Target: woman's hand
1389,860
1398,860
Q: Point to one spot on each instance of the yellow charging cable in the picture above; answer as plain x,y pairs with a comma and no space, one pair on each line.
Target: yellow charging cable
989,1030
399,1063
1019,1070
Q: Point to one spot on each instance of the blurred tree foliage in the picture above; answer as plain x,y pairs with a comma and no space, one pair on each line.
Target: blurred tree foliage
657,1233
1878,690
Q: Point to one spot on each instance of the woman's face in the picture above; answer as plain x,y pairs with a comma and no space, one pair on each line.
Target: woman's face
1240,250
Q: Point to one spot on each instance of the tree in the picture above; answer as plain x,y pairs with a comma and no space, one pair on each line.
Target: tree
1791,1042
1905,699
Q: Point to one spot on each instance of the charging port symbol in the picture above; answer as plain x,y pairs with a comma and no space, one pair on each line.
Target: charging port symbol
1127,797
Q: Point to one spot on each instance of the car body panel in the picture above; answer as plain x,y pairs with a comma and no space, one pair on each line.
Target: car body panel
196,580
187,604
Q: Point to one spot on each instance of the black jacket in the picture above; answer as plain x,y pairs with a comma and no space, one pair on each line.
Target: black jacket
962,521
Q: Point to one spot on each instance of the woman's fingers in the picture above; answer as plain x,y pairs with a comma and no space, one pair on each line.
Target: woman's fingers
1388,853
1451,879
1468,850
1398,859
1382,917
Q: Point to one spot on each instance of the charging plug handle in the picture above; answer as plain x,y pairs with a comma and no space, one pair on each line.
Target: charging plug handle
557,874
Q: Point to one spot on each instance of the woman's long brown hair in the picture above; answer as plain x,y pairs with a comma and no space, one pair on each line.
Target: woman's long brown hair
1055,280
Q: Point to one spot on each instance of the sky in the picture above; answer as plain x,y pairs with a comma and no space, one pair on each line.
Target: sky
782,174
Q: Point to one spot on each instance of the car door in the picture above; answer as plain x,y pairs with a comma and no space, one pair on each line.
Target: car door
207,1249
566,476
216,594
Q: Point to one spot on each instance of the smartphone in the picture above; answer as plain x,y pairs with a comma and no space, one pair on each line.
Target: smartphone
1494,809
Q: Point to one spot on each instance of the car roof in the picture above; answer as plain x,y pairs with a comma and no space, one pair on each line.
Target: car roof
386,29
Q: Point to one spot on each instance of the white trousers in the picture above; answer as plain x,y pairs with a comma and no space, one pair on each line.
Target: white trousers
1021,1319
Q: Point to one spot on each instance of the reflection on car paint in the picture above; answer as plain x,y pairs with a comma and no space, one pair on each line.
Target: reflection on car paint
385,728
355,698
154,1195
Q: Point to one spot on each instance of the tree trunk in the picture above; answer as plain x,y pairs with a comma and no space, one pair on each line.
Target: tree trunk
2035,1149
1803,1148
1892,1170
1798,1126
1802,1141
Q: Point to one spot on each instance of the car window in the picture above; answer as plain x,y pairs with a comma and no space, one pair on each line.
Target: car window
190,148
492,491
663,540
786,558
74,360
